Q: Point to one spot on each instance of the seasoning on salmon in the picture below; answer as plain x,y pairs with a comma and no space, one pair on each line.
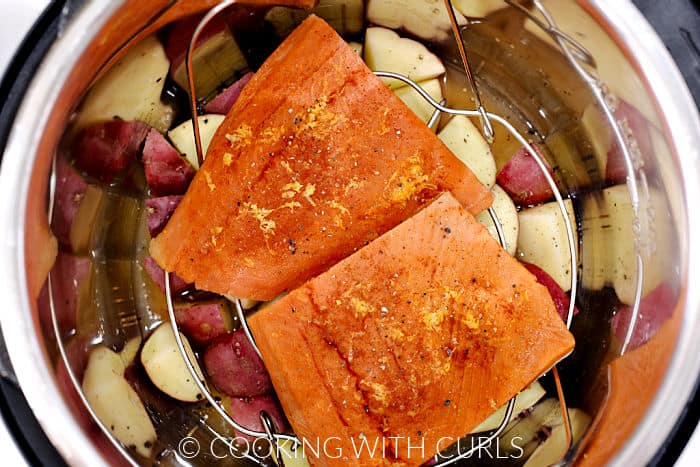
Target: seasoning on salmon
316,158
422,334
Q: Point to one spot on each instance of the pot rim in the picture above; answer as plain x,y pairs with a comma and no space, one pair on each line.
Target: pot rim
30,361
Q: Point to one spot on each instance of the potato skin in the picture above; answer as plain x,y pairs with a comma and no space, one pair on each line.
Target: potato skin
246,411
167,172
222,103
523,179
156,273
159,212
70,191
106,149
203,322
234,367
559,297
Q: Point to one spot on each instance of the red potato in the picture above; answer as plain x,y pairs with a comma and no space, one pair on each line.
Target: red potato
222,103
235,368
69,277
523,180
246,411
70,191
156,273
159,212
106,149
654,310
635,129
560,298
203,322
167,172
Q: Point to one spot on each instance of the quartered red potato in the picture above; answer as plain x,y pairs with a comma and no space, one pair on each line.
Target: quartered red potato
353,229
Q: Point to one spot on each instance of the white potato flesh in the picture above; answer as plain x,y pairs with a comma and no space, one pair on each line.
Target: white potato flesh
526,432
131,90
357,47
130,351
466,142
478,8
182,136
550,451
385,50
507,215
166,367
214,62
599,134
292,457
246,303
595,256
345,16
526,399
656,245
609,249
415,101
427,19
543,240
115,402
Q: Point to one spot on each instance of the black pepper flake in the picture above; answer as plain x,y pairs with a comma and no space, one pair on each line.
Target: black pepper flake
366,408
292,246
206,120
447,402
147,444
296,121
473,280
419,433
448,230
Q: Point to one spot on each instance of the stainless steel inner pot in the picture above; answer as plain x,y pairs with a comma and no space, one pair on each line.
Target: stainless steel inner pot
634,384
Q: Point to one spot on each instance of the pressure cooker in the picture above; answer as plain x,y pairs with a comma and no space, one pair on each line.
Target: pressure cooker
589,81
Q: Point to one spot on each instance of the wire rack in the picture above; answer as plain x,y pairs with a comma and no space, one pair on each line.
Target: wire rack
582,62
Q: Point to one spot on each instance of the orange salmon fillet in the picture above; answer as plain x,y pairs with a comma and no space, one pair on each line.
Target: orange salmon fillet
412,341
316,158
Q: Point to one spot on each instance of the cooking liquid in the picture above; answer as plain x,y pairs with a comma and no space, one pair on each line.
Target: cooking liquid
123,302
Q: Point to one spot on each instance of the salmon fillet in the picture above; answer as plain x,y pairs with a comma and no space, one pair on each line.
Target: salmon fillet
410,342
316,158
